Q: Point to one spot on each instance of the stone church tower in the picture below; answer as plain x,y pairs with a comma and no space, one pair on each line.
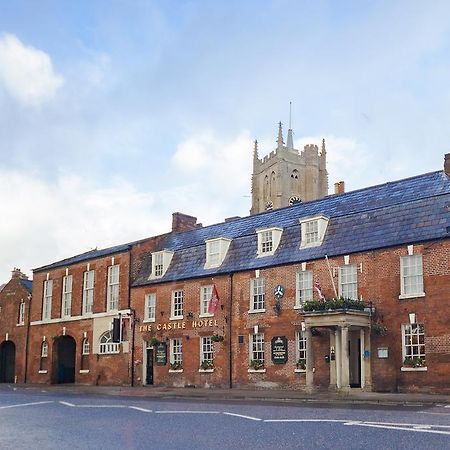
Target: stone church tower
287,176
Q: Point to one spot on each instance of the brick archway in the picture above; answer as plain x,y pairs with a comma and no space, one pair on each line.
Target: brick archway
7,362
64,354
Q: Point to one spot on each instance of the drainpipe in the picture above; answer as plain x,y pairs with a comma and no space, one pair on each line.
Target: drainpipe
27,338
132,319
230,315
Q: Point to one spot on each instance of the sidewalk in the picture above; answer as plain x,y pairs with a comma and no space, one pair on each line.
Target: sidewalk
354,396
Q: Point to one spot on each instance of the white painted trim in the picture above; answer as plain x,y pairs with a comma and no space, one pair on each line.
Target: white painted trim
75,318
43,371
84,370
175,371
404,296
414,369
205,315
255,311
206,370
256,370
300,370
176,318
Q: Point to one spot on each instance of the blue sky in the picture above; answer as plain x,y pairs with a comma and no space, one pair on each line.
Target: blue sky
114,114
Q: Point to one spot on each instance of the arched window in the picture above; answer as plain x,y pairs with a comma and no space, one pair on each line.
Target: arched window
44,355
85,350
294,182
266,188
44,349
273,185
107,345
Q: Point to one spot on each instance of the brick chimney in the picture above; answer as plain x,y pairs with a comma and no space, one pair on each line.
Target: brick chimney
339,187
183,222
17,274
447,164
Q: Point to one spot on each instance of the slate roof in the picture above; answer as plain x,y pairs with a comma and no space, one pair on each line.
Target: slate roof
27,284
411,210
92,254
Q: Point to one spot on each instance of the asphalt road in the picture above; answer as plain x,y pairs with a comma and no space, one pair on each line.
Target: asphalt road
33,419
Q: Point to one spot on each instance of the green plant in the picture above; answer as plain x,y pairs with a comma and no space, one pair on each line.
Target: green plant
176,366
154,341
301,364
379,328
256,364
416,361
334,304
216,338
207,364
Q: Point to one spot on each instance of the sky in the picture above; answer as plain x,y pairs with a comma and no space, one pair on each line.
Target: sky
116,113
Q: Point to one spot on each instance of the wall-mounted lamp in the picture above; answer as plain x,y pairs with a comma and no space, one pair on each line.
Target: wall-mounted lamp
162,313
412,318
222,306
190,315
256,329
303,326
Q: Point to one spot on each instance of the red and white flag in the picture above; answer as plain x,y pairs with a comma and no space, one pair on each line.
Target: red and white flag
319,290
213,301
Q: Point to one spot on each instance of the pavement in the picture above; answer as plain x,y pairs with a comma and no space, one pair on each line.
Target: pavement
355,396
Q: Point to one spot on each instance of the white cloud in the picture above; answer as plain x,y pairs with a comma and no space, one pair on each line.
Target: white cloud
26,73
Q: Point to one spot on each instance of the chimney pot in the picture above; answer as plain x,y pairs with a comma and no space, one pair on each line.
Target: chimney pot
339,187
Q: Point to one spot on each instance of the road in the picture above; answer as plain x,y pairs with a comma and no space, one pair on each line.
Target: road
31,419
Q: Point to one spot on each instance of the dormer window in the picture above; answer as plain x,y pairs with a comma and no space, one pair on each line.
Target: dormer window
160,263
268,240
216,250
313,231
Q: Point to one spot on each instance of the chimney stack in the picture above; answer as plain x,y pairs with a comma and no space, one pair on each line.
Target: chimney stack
183,222
339,187
447,164
17,273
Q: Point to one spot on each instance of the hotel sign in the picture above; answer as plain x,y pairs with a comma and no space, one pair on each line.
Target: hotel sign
179,325
161,354
279,350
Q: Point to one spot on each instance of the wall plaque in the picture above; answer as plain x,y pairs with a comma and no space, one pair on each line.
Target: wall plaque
279,350
161,354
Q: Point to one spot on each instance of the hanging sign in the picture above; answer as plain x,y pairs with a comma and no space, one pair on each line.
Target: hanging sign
279,350
161,354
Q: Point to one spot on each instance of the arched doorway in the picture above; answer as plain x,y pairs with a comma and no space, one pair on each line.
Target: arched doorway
7,362
64,351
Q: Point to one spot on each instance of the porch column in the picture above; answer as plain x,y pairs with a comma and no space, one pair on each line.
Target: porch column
338,357
309,360
333,362
363,360
345,367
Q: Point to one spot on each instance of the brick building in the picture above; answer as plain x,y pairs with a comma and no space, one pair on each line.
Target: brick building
242,303
15,298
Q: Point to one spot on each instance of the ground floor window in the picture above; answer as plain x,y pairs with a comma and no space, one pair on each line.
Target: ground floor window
257,351
44,356
206,353
300,350
413,344
85,350
107,346
176,354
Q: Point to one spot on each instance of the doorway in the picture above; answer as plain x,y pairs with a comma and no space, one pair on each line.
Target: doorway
7,362
354,358
149,366
64,363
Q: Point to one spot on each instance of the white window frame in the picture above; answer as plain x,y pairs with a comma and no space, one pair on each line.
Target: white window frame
216,251
113,288
88,291
206,349
21,320
177,304
176,351
268,240
300,348
47,300
205,298
256,348
416,273
313,231
44,349
106,345
86,347
304,288
150,307
66,300
345,284
415,334
160,263
257,295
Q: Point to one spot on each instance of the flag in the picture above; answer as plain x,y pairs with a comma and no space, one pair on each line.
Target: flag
319,290
213,301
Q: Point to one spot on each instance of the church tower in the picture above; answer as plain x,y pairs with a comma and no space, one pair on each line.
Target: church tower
287,176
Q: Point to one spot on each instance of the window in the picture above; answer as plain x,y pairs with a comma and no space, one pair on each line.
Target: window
177,305
300,350
268,240
88,291
257,348
43,359
313,231
176,353
257,294
304,290
206,352
107,345
150,308
413,342
85,347
21,320
348,284
113,288
47,303
66,305
411,276
44,349
160,263
216,250
205,297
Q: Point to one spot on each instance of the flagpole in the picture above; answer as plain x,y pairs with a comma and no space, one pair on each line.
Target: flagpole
331,276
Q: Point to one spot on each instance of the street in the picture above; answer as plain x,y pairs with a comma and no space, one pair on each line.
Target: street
36,418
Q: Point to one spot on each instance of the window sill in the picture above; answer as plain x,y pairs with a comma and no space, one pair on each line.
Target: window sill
43,371
206,370
262,255
148,320
20,325
414,369
405,296
84,371
299,307
256,370
205,315
310,244
300,370
176,318
256,311
175,371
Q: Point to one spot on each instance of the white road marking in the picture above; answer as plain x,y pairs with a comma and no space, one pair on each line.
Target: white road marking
306,420
93,406
25,404
242,416
387,427
447,406
187,412
436,414
140,409
67,404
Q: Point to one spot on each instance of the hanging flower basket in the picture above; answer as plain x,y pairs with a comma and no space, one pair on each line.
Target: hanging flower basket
217,338
301,364
417,361
379,328
256,364
205,365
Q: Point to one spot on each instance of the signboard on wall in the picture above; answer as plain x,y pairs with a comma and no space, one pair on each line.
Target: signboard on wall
279,350
161,354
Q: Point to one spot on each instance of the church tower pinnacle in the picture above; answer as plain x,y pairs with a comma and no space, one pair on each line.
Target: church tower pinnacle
280,141
290,139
